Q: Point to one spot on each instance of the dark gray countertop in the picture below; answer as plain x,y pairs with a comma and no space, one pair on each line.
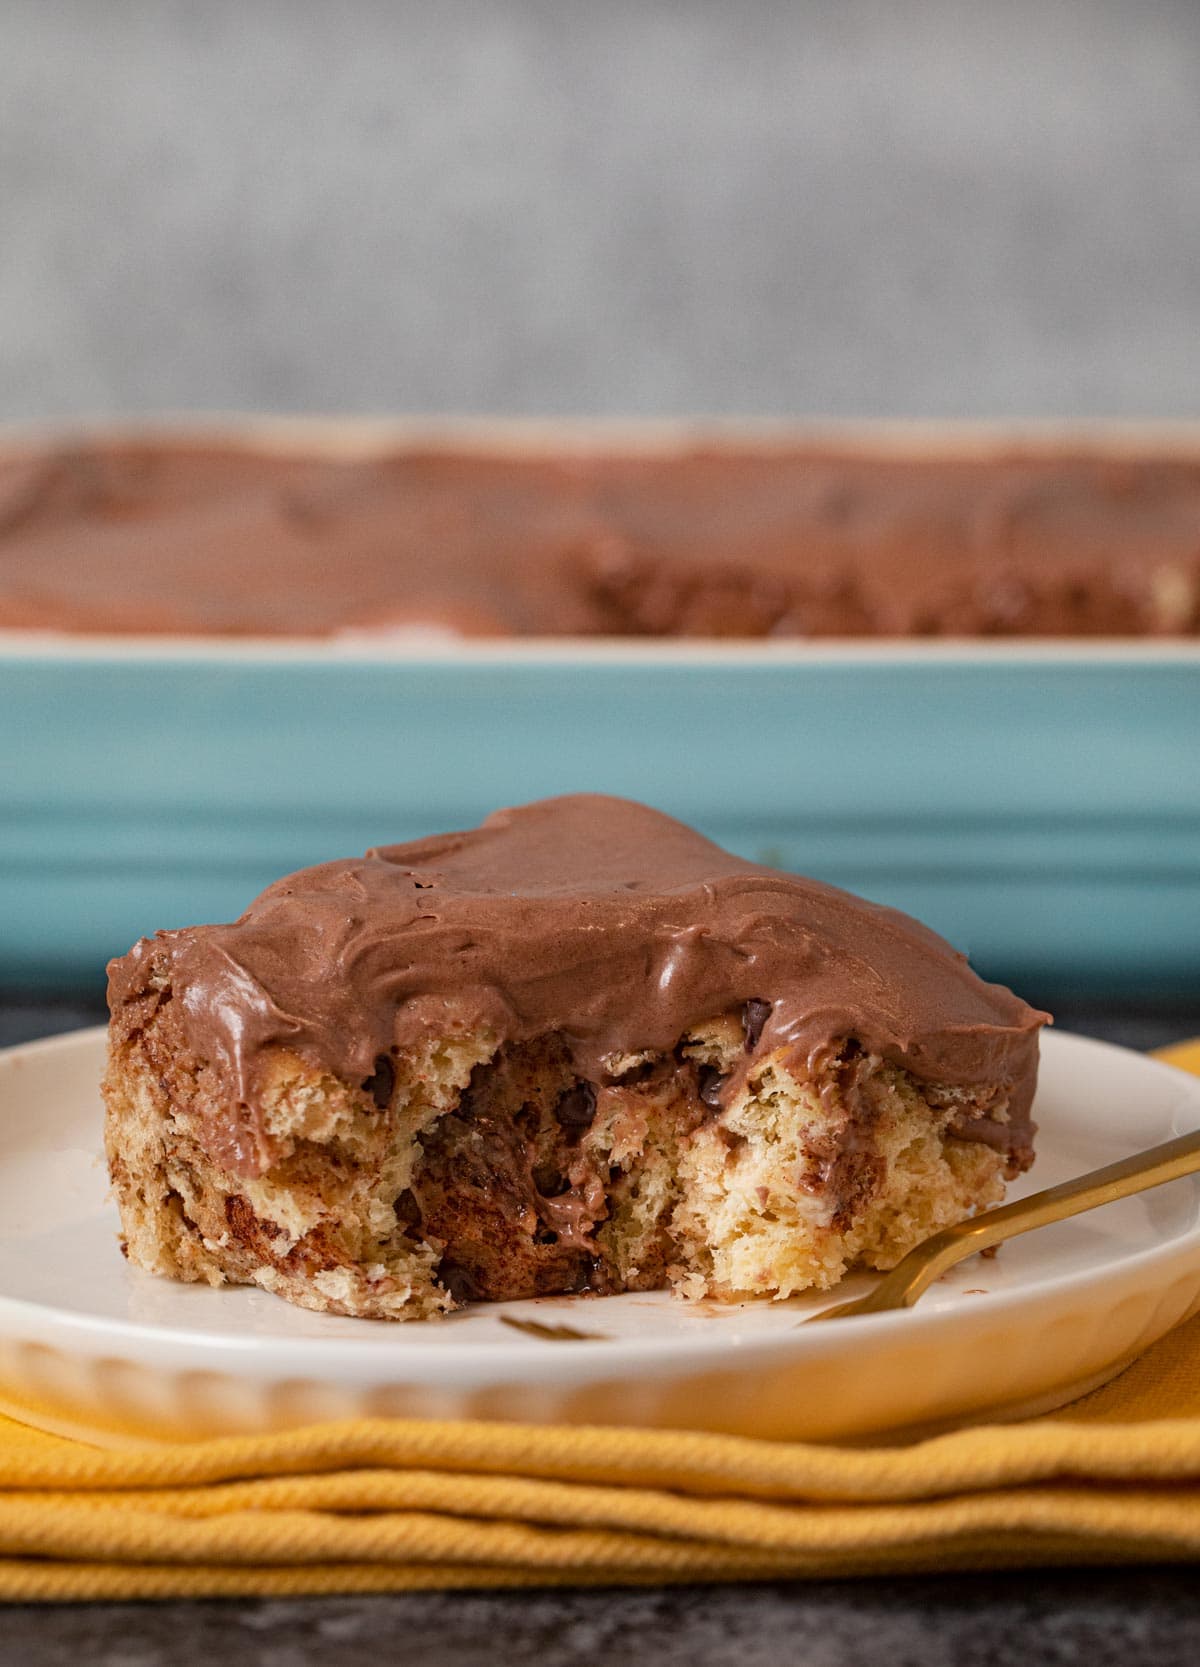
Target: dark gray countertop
1102,1619
1037,1618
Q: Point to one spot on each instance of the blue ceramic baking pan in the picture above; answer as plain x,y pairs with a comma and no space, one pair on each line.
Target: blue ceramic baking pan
1038,803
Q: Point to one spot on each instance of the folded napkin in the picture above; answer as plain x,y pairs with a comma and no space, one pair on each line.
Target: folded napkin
387,1505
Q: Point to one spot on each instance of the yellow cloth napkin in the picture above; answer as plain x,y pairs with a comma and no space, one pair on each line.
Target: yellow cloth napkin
390,1505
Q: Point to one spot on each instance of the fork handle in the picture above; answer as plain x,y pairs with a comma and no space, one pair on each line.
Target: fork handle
918,1270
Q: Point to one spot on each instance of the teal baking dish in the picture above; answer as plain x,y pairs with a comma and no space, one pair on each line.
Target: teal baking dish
1036,802
1040,807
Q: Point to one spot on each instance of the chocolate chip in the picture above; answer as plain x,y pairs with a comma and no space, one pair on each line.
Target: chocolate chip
474,1095
406,1209
584,1274
458,1281
380,1085
710,1082
577,1107
754,1016
550,1182
635,1074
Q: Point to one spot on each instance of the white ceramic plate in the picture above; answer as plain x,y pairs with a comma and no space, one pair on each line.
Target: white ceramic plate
91,1346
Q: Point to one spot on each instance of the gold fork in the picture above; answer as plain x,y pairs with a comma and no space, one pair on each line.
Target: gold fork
908,1279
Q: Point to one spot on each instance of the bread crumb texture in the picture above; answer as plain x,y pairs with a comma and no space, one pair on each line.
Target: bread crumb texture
461,1171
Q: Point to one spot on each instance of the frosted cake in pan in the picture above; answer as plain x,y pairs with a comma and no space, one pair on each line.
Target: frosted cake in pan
723,538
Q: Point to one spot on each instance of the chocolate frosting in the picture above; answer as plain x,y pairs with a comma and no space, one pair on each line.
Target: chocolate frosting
736,540
593,919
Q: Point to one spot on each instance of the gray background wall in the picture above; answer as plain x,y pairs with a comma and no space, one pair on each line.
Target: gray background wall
843,206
